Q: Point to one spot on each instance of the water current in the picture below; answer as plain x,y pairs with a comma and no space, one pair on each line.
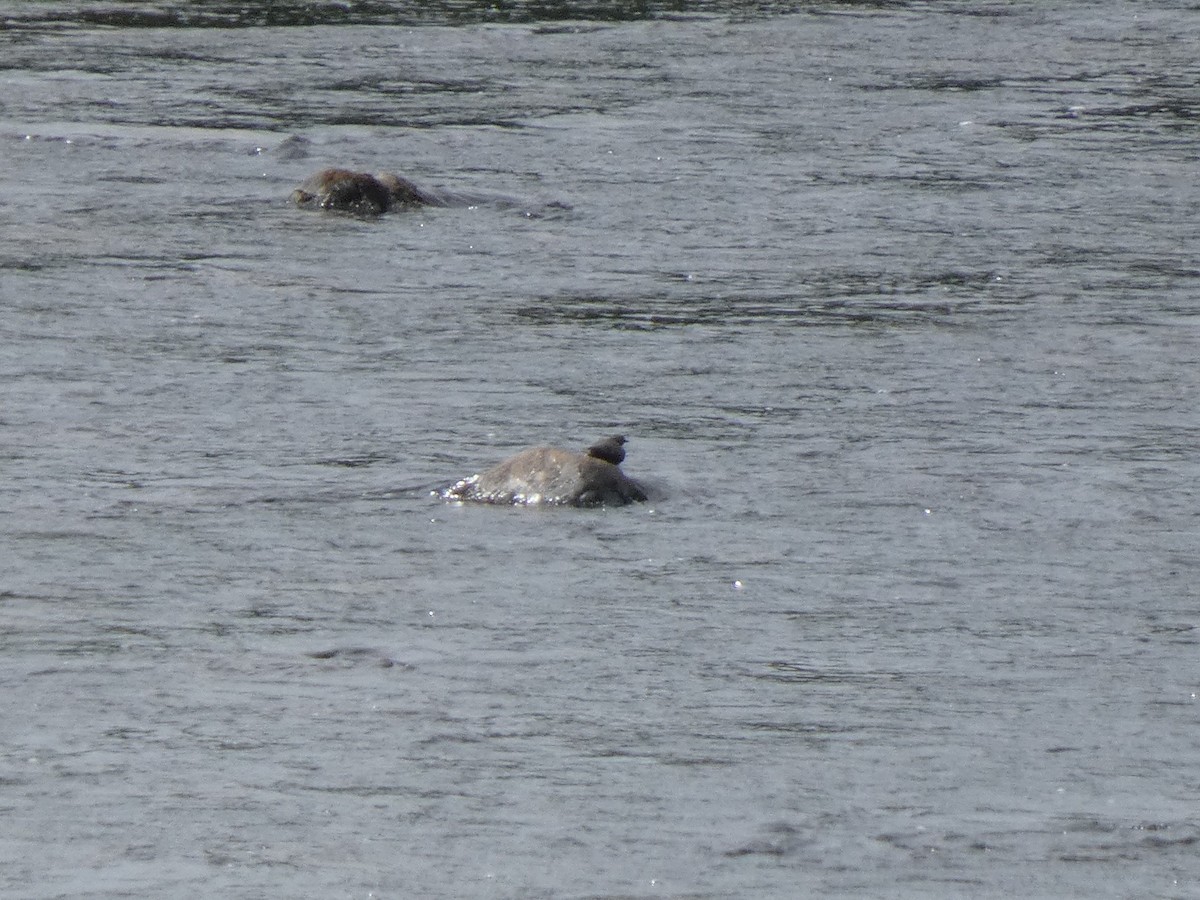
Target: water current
897,304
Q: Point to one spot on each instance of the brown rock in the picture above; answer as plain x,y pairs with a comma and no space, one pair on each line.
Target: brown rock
360,192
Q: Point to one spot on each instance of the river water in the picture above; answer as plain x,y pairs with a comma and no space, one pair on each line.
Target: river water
897,304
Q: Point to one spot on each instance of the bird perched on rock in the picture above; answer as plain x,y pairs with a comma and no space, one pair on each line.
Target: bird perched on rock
610,449
550,475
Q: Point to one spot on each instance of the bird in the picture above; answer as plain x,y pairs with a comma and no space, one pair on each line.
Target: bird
609,449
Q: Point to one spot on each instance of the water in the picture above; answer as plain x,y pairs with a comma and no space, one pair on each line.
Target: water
897,304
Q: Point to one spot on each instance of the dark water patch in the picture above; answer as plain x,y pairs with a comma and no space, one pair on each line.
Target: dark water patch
953,83
40,264
938,181
697,761
355,656
652,313
365,791
1173,114
357,461
223,14
799,673
1101,82
1090,840
269,612
814,732
92,647
923,842
126,178
855,8
779,839
1173,628
414,86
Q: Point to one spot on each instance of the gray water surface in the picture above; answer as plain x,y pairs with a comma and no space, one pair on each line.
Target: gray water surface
897,304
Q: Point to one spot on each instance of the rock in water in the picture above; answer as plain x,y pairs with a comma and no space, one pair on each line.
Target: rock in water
550,475
360,192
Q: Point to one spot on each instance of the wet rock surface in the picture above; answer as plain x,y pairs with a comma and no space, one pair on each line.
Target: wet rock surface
554,476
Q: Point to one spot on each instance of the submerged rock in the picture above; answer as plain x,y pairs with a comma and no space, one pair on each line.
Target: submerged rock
550,475
360,192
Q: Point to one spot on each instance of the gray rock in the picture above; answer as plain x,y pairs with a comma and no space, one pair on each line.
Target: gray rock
550,475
